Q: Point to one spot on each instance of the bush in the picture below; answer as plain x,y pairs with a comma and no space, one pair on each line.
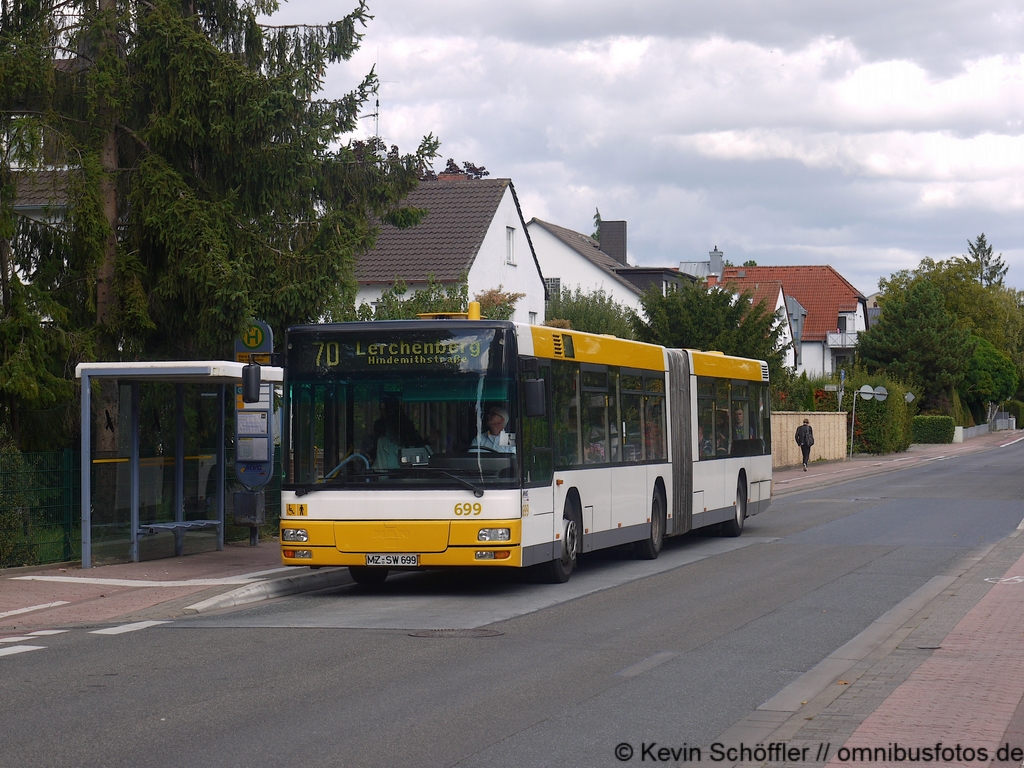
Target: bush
16,547
882,427
1016,409
932,429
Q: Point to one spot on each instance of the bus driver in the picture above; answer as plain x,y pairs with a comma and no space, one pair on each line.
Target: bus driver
495,438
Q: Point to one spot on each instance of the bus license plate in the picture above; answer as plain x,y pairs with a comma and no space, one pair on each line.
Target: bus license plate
394,561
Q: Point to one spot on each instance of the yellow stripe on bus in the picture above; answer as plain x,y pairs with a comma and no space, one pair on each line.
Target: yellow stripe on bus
721,366
600,350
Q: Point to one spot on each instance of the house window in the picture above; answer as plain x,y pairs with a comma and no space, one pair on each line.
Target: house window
510,245
533,318
554,286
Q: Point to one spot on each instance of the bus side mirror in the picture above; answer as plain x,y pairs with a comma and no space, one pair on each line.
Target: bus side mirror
251,383
534,401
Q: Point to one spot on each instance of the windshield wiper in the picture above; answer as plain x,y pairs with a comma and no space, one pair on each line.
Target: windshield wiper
334,482
476,489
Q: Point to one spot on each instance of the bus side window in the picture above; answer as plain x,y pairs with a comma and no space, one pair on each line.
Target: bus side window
654,419
631,404
705,429
565,413
537,453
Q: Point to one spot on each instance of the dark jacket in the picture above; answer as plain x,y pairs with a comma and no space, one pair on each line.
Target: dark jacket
805,435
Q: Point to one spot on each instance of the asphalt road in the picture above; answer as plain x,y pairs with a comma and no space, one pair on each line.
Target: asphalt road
675,650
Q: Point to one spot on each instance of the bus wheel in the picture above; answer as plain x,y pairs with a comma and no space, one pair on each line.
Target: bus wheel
558,571
649,548
734,527
370,577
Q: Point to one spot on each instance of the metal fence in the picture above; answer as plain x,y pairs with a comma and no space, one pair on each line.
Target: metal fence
41,511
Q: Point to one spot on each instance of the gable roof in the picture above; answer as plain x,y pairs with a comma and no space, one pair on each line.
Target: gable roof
445,244
588,248
822,291
761,290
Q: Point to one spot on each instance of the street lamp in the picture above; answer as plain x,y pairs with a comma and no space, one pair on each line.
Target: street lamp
867,393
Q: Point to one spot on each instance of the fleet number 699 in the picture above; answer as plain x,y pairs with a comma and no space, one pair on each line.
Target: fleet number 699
469,508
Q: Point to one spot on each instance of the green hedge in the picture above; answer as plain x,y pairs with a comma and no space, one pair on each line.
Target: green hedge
1016,409
882,427
932,429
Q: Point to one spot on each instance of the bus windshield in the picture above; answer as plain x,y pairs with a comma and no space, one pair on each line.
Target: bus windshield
425,407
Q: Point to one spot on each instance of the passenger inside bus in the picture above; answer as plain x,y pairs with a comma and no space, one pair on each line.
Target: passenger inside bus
722,433
704,443
495,438
393,431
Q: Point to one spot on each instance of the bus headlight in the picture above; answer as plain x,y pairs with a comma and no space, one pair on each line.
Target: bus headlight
294,534
298,554
494,534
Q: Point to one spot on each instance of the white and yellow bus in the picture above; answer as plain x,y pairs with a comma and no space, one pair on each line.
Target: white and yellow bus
455,442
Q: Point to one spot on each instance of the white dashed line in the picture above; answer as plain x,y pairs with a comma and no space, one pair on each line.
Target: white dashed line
15,612
127,628
20,649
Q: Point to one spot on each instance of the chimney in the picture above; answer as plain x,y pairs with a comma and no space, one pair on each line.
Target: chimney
613,239
717,262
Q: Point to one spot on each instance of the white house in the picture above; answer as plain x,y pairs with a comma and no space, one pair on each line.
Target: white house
473,228
573,260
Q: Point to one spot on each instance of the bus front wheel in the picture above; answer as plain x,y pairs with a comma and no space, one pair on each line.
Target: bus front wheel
559,570
367,576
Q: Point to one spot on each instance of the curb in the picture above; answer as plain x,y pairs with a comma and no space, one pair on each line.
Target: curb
268,590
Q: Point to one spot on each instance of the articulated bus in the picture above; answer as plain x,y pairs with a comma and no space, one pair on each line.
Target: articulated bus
458,442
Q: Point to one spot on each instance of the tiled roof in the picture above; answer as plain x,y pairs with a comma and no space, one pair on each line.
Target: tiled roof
38,189
822,291
446,242
762,290
589,248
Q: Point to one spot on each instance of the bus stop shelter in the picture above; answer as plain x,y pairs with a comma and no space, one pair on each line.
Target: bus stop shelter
221,373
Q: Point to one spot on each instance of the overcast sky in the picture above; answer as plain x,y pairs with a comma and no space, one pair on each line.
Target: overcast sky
863,135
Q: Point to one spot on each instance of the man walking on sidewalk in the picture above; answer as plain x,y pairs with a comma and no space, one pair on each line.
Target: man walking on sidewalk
805,439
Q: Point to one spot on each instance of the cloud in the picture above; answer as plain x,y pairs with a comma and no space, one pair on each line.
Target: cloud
864,135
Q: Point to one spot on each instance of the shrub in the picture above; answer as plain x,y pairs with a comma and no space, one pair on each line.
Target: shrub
882,427
1016,409
932,429
16,548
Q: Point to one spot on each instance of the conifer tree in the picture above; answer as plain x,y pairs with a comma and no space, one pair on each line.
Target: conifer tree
203,180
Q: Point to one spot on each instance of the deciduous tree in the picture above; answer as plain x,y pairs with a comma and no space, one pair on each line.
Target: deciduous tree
711,318
592,312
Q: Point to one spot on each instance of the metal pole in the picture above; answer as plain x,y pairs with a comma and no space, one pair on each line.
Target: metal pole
853,422
133,471
221,463
86,461
179,468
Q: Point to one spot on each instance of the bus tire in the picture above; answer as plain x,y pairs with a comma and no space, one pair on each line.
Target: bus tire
734,527
367,576
559,570
650,548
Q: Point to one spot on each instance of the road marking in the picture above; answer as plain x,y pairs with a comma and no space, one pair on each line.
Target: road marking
649,663
20,649
1011,442
127,628
141,583
41,632
15,612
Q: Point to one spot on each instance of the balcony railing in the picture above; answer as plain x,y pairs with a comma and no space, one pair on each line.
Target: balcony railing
843,340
